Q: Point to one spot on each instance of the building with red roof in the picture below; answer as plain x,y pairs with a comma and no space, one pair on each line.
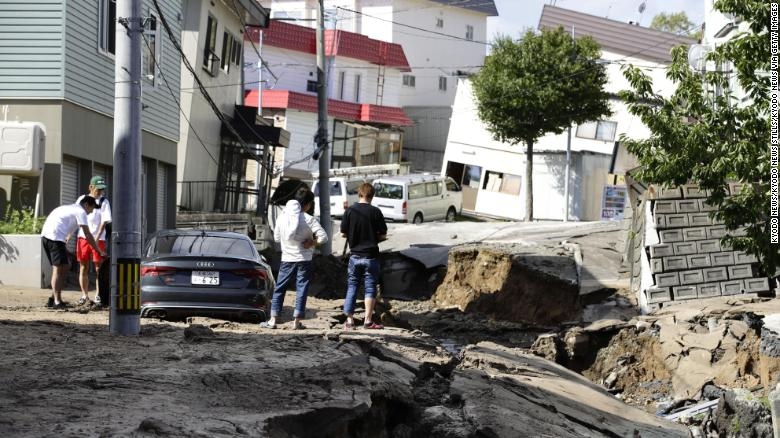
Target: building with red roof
365,119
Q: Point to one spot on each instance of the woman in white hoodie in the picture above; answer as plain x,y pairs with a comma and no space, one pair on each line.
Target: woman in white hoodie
298,233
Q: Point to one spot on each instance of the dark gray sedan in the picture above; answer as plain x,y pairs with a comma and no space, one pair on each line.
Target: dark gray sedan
204,273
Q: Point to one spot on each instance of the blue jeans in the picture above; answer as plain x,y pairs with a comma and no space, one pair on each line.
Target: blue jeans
359,268
287,271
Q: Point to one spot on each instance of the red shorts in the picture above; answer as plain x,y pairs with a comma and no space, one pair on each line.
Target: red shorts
85,251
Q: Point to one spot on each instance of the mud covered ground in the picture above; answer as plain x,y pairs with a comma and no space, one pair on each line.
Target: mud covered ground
63,374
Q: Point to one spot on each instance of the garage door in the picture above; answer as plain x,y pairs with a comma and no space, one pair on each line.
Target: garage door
162,195
69,188
69,180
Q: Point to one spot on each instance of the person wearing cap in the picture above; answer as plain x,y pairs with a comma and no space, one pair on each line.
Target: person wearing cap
60,224
98,221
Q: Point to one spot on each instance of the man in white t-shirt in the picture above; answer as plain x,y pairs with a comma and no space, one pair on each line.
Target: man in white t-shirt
60,225
98,220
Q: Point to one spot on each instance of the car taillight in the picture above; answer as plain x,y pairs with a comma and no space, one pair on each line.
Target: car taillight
156,271
403,208
251,273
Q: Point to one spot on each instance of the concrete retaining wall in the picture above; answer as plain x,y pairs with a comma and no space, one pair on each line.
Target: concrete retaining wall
22,260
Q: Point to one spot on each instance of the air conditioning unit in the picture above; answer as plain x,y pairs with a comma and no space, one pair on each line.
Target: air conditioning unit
22,147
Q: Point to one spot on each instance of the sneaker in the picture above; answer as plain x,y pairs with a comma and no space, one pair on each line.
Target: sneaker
266,325
96,301
373,326
60,305
298,326
50,302
81,301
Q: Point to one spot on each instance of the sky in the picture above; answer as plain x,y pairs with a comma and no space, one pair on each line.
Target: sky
517,15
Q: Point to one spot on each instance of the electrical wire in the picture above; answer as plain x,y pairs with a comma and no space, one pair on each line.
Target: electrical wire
257,51
416,28
176,99
226,123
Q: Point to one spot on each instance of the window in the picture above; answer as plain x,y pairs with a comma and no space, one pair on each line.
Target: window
408,80
342,78
107,37
227,46
335,189
311,86
391,191
602,130
344,145
442,83
151,50
236,55
439,22
432,189
209,54
471,176
357,88
469,32
417,191
500,182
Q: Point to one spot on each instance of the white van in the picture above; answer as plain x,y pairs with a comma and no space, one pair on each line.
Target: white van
343,193
417,198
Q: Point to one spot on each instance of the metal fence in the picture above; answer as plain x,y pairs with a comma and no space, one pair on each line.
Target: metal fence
209,196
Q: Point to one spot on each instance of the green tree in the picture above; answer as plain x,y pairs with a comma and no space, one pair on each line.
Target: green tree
539,84
706,134
676,22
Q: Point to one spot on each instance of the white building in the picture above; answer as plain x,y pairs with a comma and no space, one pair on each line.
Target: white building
492,172
211,157
442,39
718,29
362,132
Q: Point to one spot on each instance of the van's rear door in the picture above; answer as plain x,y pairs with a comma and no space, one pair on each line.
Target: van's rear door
389,198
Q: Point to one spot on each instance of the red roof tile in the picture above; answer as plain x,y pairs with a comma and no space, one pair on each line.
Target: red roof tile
337,43
338,109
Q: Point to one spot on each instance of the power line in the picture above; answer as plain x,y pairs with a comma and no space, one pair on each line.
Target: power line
257,51
415,27
175,98
206,95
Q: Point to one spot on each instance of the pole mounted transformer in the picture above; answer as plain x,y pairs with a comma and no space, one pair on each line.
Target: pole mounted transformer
126,236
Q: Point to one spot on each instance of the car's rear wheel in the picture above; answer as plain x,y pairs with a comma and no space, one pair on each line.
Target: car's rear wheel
418,218
450,215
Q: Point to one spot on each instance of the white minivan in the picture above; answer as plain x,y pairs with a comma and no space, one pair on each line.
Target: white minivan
343,193
417,198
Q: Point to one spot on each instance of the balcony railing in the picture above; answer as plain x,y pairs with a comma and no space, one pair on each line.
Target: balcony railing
208,196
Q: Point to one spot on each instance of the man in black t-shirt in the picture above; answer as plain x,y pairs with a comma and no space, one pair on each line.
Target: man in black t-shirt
364,227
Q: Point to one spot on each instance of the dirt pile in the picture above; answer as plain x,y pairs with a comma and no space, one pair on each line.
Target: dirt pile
537,288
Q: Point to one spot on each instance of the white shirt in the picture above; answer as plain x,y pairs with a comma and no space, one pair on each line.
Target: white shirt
97,217
293,250
63,221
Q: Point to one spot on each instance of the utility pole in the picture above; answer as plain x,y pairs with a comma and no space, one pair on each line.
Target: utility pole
566,175
322,131
567,172
126,240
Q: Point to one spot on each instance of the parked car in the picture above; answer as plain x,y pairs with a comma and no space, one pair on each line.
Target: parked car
417,198
204,273
343,193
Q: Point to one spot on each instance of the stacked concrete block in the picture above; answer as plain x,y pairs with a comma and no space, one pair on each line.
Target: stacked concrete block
690,262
